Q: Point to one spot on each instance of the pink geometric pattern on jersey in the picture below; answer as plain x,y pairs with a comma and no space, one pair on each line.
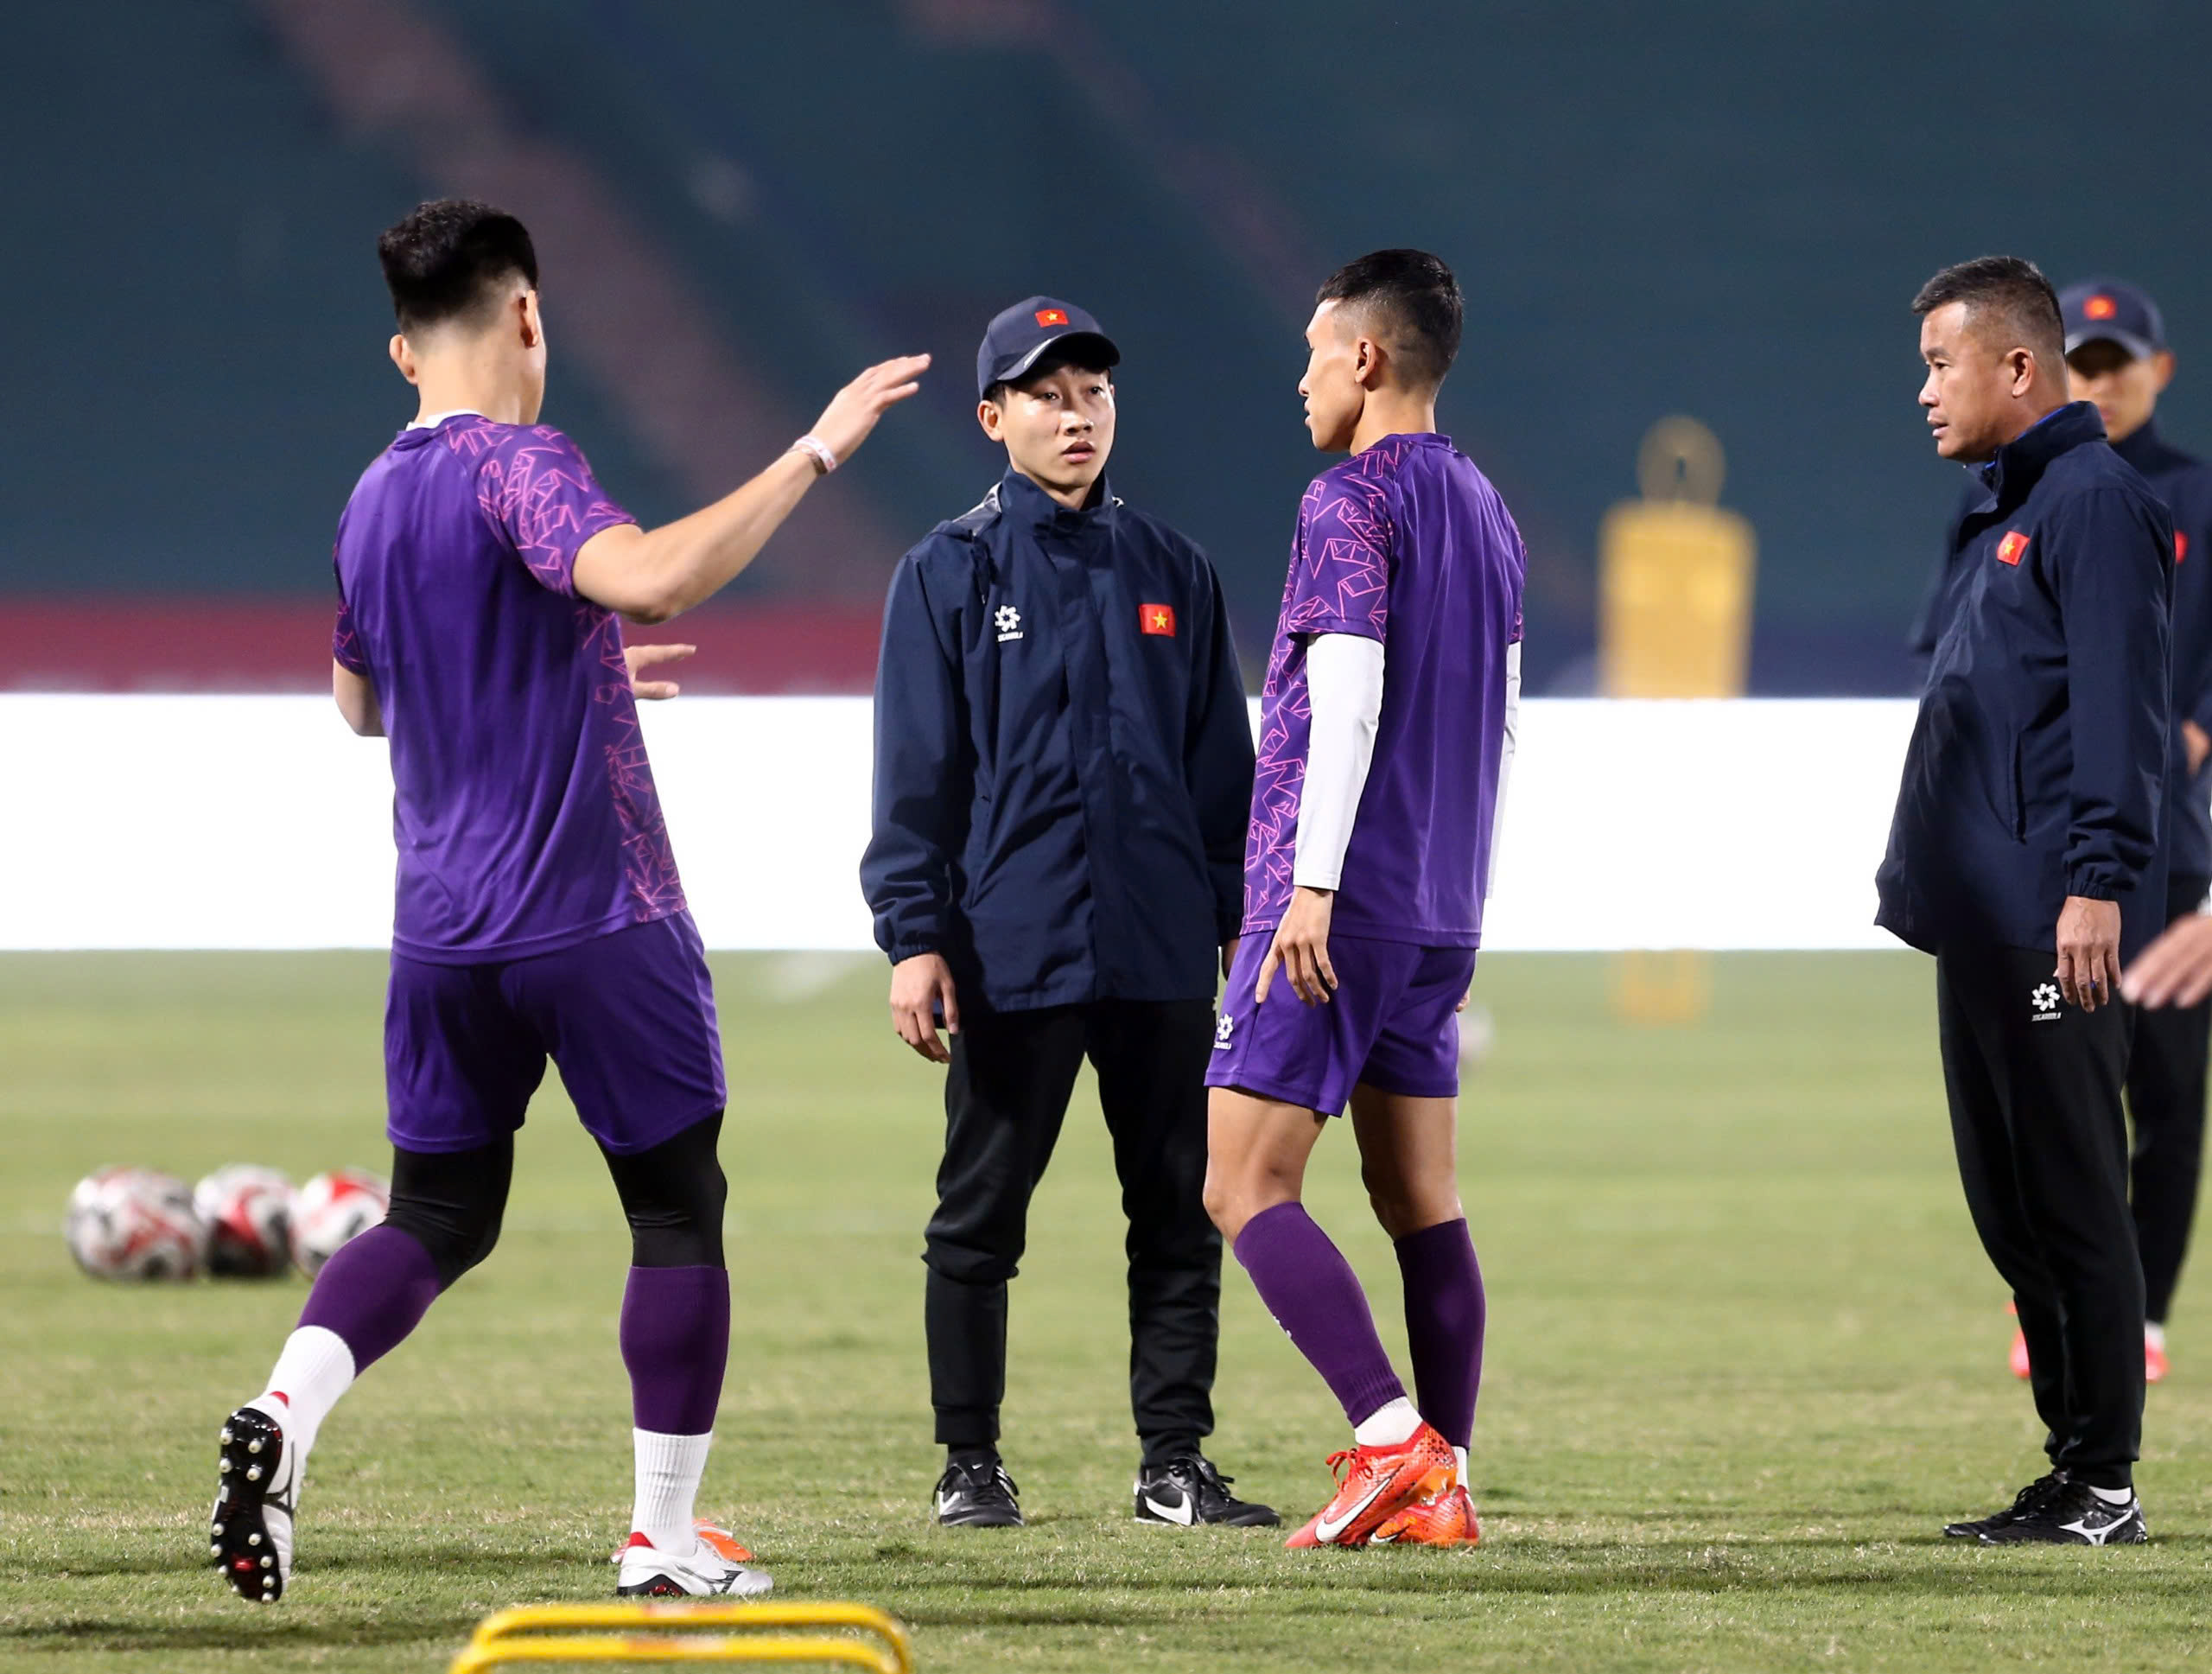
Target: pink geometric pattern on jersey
535,486
648,861
345,649
1339,583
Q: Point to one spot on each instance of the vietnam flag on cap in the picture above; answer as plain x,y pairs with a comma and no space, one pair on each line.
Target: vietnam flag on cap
1051,316
2013,547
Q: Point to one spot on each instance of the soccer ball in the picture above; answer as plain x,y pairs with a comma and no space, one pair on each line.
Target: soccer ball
248,1214
332,1208
134,1224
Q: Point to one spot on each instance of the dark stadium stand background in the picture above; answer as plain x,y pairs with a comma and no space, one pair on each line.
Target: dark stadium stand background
1724,217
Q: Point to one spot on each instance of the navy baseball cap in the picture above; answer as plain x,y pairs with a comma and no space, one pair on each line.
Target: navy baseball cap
1017,340
2112,311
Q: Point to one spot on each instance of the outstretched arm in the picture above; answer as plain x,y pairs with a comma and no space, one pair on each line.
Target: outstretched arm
649,575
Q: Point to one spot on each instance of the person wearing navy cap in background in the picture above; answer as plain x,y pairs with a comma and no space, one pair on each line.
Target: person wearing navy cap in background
2116,356
1063,771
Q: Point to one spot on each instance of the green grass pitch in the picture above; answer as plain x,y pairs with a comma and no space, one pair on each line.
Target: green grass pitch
1745,1358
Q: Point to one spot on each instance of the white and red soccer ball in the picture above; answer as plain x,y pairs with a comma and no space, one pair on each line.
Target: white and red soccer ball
332,1208
134,1224
247,1212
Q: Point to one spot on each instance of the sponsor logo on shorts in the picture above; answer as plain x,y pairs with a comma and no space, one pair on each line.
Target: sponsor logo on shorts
1222,1031
2044,1001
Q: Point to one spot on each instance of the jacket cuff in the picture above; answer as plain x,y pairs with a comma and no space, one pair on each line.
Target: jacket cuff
2092,881
900,952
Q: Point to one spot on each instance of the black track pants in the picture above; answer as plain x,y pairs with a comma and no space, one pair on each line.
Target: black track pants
2034,1093
1005,1097
2165,1096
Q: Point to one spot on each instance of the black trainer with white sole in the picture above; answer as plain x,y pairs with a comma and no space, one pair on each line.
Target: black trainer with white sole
977,1494
249,1530
1187,1491
2077,1515
2028,1499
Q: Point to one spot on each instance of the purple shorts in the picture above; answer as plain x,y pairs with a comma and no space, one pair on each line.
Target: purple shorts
628,1018
1393,1025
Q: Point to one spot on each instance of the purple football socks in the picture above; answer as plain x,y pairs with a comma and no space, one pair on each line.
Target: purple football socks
1311,1290
675,1343
1444,1313
372,1292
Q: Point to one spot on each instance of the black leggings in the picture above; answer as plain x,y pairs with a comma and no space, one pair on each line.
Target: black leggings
450,1202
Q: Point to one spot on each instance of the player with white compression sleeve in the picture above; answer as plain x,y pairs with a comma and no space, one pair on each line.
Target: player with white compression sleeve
1386,724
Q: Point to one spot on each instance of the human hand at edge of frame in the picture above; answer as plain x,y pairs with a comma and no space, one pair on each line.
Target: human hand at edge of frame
637,658
853,412
920,988
2176,970
2198,743
2089,951
1301,948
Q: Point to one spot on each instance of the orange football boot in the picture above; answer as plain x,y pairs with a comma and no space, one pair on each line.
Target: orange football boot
1375,1484
1445,1519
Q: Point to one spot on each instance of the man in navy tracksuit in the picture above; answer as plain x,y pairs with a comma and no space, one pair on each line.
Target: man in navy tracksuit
2027,855
1063,773
2117,357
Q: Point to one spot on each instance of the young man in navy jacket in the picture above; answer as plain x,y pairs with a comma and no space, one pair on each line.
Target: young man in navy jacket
1063,772
2027,855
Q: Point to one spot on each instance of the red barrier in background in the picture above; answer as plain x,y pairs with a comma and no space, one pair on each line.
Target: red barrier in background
134,643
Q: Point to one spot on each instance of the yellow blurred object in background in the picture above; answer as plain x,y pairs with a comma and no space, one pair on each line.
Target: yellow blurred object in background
1673,621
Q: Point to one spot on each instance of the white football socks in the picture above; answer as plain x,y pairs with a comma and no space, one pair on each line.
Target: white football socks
1388,1425
669,1469
2114,1496
315,1369
1462,1453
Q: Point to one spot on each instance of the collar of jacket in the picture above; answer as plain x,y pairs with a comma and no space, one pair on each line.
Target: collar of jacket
2141,446
1023,501
2020,463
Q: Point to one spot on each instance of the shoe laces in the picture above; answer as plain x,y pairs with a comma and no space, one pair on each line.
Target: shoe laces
1200,1469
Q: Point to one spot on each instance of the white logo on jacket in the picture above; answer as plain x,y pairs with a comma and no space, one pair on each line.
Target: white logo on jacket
1009,623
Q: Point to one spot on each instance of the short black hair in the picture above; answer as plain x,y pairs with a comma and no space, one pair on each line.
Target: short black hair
445,260
2011,293
1047,364
1415,299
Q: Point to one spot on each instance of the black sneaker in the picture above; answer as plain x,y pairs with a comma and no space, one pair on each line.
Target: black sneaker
1188,1490
2076,1516
2025,1501
977,1495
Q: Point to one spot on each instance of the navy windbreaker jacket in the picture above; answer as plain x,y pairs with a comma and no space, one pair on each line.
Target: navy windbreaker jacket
2183,482
2039,761
1063,756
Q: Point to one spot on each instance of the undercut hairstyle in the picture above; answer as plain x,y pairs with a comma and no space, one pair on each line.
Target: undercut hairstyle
449,260
2005,297
1412,302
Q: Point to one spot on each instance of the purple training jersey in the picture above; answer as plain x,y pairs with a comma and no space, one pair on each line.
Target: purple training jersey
524,806
1407,543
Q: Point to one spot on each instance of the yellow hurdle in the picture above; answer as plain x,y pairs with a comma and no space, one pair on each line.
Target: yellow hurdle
549,1634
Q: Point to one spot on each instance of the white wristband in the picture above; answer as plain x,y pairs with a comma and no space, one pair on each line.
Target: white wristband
814,448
